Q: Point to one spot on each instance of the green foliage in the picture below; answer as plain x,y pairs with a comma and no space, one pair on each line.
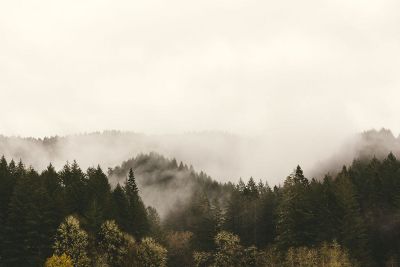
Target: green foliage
73,241
179,245
294,224
120,208
329,255
250,213
151,254
353,231
74,182
248,224
139,224
31,222
155,228
99,198
228,252
334,256
112,243
202,259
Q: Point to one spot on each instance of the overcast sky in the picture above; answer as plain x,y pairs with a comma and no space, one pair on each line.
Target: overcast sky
311,69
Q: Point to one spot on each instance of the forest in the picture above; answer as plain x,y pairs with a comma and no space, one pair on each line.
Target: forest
75,217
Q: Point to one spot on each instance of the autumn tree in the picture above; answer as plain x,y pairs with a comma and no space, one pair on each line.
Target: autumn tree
73,241
112,243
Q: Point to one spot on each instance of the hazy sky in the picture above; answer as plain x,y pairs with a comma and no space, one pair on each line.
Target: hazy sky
311,69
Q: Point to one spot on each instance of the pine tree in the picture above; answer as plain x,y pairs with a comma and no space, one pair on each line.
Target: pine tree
74,182
325,209
265,223
15,228
155,229
138,225
99,198
6,189
202,221
30,223
295,213
120,208
353,232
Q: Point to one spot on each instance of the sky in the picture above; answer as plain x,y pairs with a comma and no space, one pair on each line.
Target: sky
307,70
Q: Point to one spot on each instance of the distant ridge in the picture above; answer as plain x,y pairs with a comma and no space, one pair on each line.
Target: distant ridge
363,146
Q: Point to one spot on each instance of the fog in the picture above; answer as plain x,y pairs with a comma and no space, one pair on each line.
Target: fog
290,81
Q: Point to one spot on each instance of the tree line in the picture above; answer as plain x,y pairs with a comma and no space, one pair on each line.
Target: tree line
75,218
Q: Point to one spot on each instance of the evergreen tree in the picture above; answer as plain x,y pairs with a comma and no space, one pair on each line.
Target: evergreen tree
14,250
325,209
138,222
74,183
155,229
120,208
202,222
6,189
353,232
99,199
295,213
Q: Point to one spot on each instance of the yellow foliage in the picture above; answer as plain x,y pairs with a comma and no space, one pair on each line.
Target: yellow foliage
59,261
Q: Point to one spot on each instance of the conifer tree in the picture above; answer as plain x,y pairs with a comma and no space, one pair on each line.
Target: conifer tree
6,189
98,197
353,232
74,182
120,208
295,214
138,222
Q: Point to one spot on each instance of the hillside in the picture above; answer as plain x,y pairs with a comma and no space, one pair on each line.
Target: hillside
365,145
164,183
219,154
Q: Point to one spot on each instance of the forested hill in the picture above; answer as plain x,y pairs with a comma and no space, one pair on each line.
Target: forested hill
214,152
365,145
225,157
77,217
164,183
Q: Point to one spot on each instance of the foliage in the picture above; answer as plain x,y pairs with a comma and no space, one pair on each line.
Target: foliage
179,248
244,224
59,261
73,241
112,243
151,254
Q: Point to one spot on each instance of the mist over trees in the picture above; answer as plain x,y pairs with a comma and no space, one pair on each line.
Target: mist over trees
75,216
217,152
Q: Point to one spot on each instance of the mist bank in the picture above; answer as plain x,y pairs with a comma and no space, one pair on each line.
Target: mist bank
219,154
362,146
223,156
166,184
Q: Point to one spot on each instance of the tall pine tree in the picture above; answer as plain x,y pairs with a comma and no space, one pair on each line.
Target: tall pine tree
138,222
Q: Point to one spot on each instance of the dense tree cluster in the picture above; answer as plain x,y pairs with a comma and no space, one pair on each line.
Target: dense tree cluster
65,212
76,218
357,209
